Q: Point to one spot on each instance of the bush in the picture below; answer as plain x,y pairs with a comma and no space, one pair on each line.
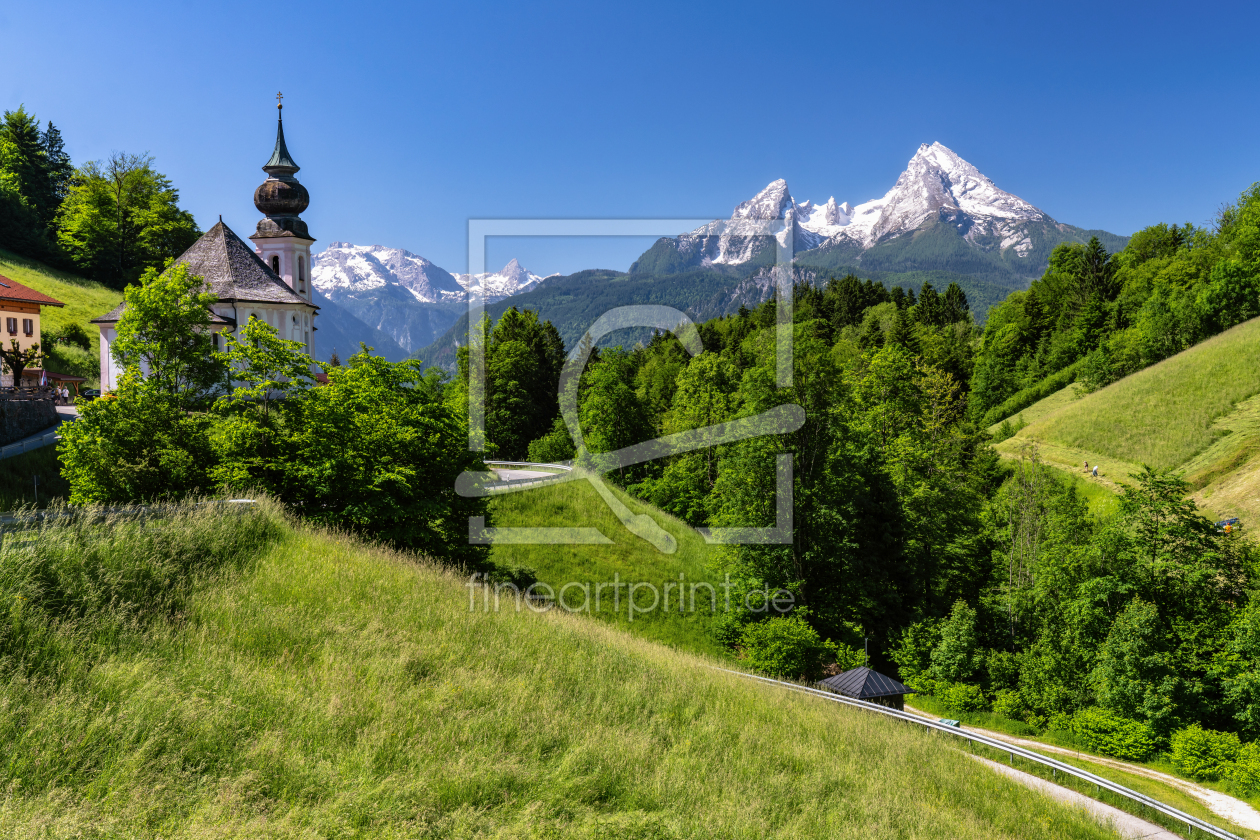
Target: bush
1203,754
1010,704
553,447
1103,732
1244,773
140,446
785,647
960,698
956,656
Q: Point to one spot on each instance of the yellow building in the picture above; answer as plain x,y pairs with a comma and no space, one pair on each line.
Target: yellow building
19,321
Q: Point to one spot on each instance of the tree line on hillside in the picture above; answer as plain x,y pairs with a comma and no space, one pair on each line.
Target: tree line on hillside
1113,314
108,220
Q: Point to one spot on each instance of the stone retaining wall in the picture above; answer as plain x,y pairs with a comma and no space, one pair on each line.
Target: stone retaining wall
19,418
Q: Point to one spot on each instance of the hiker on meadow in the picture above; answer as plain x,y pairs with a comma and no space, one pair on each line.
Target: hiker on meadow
1087,466
1095,471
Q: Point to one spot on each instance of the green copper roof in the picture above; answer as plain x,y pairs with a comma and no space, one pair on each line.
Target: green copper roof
281,162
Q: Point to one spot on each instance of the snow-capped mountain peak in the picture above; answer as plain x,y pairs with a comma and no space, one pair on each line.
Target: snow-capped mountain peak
937,185
510,280
357,268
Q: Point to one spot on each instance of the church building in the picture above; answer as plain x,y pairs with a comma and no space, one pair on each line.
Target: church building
270,281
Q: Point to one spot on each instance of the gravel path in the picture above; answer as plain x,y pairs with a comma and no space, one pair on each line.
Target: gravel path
1221,804
1126,825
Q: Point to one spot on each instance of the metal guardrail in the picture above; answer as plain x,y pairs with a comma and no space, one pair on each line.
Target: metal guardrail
1192,823
51,436
11,521
565,467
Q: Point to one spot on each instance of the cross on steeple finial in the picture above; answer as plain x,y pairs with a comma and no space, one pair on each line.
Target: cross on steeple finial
279,103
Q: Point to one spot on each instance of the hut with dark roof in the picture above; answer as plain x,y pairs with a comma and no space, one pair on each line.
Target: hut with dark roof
873,687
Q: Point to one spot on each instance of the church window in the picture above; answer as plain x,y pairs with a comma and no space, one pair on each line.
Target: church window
275,264
301,274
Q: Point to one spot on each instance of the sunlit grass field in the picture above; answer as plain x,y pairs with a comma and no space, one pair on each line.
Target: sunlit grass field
1163,415
628,559
206,676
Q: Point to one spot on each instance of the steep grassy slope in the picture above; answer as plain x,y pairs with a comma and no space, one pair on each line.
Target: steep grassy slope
628,560
83,299
1197,412
328,690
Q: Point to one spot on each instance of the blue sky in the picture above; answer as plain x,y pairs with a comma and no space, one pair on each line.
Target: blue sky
410,118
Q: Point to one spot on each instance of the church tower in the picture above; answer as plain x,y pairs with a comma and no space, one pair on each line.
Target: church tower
282,240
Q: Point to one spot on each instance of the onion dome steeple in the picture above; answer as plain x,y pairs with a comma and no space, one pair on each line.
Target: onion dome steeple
281,198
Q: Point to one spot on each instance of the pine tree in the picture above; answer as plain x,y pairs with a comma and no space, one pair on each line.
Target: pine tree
22,158
956,306
58,168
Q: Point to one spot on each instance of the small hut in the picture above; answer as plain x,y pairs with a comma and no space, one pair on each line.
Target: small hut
873,687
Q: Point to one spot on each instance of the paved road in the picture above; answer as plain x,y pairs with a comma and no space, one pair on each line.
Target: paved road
1127,825
516,475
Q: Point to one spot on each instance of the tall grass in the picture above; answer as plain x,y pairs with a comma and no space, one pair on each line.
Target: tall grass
330,690
627,559
74,584
1162,415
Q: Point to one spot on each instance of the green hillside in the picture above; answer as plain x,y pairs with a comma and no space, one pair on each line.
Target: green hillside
243,678
1198,412
83,299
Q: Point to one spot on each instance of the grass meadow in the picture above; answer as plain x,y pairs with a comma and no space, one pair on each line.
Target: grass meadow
627,559
236,676
1163,415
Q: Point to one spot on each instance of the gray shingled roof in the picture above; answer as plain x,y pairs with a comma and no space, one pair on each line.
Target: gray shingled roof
863,683
233,271
114,314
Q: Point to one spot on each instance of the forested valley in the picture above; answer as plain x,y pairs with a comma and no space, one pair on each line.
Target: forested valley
984,582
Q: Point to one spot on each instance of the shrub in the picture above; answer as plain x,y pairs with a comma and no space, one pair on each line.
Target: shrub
1244,773
1203,754
956,656
785,647
1010,704
960,697
553,447
1103,732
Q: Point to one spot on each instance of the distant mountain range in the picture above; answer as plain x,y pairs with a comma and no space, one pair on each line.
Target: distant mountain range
394,300
942,214
942,222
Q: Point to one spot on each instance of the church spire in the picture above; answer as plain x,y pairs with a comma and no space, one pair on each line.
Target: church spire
281,198
281,162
